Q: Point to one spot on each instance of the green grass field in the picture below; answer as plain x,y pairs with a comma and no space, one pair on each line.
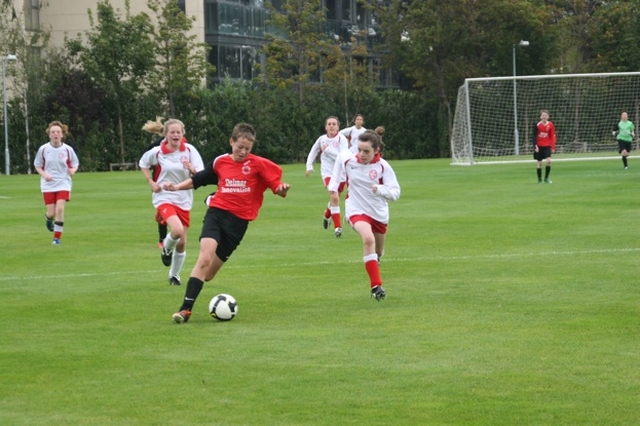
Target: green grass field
508,303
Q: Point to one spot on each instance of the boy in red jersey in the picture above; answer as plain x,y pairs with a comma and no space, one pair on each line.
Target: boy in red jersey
242,179
544,142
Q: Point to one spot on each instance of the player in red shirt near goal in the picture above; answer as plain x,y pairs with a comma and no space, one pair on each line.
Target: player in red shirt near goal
242,179
544,143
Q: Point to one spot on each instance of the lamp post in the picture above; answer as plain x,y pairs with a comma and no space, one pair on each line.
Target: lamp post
4,104
516,136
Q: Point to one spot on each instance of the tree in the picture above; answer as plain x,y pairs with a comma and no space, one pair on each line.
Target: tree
439,44
295,54
119,56
616,36
26,75
574,21
181,62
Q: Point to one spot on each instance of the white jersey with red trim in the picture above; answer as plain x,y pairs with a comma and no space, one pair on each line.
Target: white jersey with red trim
352,134
360,178
172,169
56,162
329,149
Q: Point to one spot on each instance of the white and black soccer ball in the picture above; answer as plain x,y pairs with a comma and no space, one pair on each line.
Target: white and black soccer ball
223,307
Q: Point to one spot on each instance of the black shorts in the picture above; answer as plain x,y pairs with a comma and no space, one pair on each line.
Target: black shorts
624,146
543,153
224,227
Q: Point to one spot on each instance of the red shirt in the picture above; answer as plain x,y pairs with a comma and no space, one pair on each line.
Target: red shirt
546,135
241,185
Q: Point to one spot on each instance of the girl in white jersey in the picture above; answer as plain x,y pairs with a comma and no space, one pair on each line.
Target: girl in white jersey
353,133
176,161
56,162
329,146
372,184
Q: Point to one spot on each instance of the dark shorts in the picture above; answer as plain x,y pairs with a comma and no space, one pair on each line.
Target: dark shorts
624,146
543,153
224,227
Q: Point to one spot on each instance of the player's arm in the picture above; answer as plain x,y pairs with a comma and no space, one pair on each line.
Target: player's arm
313,153
204,177
390,189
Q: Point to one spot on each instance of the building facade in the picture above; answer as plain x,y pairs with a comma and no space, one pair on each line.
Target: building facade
235,29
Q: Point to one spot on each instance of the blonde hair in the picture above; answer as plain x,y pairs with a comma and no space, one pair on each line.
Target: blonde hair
154,126
64,127
171,121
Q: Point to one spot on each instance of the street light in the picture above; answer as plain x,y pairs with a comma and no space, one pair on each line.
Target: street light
516,136
4,104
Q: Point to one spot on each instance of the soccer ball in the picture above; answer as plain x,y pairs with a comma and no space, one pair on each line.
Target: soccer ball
223,307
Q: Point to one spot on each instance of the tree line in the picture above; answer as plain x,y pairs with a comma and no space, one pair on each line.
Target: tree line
130,68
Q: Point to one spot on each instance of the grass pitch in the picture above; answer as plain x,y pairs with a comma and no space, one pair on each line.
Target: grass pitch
508,302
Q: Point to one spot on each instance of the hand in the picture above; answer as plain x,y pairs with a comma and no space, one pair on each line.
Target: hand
168,186
307,173
374,188
536,149
187,165
282,189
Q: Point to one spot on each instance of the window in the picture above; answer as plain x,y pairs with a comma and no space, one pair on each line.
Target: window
332,9
346,10
32,15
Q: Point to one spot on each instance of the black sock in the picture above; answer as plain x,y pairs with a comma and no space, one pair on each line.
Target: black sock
59,223
162,231
194,286
539,171
624,160
547,170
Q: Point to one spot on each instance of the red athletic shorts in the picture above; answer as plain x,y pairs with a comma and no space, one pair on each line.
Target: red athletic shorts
376,227
53,197
165,211
340,187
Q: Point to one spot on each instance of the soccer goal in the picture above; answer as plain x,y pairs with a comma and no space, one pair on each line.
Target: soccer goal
494,117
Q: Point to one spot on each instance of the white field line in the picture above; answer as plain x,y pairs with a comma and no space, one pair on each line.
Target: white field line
386,260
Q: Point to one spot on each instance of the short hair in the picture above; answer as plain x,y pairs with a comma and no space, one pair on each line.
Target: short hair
545,111
171,121
64,127
244,130
154,126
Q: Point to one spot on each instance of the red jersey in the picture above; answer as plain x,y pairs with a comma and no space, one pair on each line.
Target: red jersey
545,135
241,185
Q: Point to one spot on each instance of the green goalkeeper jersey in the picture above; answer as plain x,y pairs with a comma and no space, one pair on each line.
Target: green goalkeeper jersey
625,130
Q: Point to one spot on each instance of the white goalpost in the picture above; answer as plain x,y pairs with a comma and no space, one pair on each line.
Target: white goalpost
494,117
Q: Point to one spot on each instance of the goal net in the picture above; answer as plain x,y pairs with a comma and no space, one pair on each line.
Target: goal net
495,117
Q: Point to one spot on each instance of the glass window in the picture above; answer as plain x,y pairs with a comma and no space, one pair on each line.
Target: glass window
211,18
231,19
332,9
229,62
360,13
346,10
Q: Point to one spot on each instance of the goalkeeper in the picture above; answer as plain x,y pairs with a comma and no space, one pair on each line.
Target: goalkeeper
624,133
544,142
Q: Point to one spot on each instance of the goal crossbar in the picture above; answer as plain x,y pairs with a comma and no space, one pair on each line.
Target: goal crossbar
494,117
